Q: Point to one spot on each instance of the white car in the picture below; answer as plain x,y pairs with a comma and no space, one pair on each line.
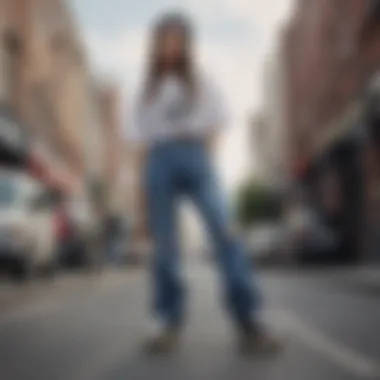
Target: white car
27,225
265,242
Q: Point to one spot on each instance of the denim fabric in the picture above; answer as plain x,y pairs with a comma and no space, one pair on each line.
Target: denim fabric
183,168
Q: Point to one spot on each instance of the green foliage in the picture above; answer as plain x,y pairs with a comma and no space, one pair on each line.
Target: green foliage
255,202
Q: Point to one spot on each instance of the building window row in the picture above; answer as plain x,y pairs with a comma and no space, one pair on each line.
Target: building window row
11,48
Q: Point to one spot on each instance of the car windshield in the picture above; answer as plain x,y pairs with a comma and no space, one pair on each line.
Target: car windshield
8,192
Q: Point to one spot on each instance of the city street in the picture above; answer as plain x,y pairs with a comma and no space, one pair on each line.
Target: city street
90,327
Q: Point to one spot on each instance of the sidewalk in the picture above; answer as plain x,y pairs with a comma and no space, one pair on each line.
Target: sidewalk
365,277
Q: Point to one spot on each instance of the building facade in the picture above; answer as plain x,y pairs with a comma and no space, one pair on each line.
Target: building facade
275,148
43,78
118,168
331,53
332,50
258,137
268,126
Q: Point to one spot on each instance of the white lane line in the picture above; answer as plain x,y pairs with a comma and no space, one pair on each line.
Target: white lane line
347,358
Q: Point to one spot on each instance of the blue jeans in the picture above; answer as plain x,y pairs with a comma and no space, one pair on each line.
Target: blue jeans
182,168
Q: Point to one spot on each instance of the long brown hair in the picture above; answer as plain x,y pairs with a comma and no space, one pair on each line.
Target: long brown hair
183,68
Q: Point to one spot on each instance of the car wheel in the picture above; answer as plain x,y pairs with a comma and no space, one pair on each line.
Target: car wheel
50,269
23,270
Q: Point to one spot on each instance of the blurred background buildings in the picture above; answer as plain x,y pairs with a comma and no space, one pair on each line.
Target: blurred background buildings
319,121
313,196
45,80
69,117
317,128
268,125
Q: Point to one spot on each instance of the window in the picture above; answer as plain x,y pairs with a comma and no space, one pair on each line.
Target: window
47,16
373,16
12,43
11,51
346,41
59,42
374,9
3,76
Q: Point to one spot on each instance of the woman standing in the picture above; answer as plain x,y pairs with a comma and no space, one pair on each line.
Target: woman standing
178,117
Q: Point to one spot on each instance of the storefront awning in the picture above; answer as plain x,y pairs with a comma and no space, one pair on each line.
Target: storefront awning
340,127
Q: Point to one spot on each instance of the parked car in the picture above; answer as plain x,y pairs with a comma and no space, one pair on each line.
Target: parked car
135,253
76,228
27,226
312,237
265,243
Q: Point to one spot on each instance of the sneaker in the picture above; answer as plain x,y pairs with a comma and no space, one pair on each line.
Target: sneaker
164,340
256,340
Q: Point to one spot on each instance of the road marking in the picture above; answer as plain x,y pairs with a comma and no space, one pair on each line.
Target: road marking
27,312
337,353
105,359
43,303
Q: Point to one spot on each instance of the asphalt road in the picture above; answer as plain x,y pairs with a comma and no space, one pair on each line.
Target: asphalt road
85,327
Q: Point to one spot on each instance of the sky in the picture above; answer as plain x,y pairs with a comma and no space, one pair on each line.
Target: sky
234,39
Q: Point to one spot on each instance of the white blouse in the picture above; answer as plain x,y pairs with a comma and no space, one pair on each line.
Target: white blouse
171,114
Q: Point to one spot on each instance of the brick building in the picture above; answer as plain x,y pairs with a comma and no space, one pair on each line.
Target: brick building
43,77
110,116
271,144
332,50
259,137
